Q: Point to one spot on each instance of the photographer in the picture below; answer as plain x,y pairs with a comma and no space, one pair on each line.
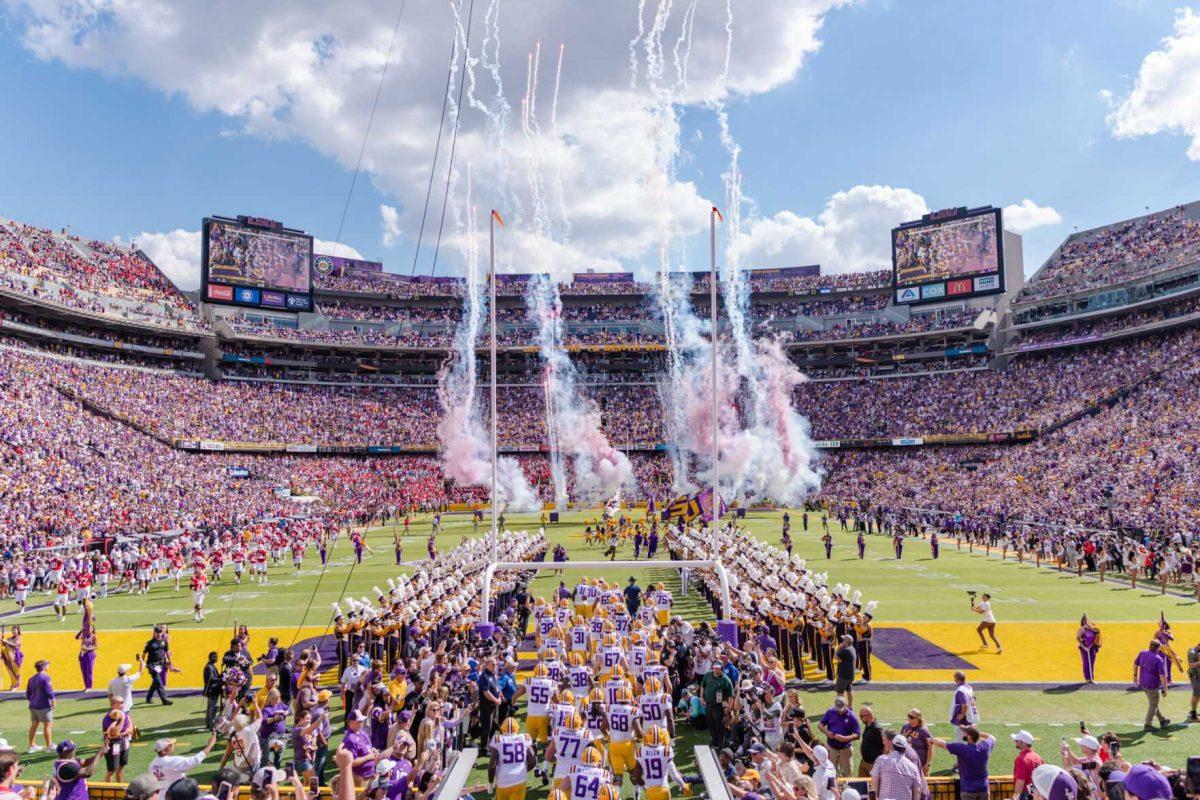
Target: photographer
795,721
743,717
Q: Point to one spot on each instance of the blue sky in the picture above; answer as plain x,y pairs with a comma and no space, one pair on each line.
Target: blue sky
960,103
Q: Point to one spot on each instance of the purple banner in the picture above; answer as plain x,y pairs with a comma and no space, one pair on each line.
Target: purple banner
603,277
787,272
434,279
1092,337
516,277
336,265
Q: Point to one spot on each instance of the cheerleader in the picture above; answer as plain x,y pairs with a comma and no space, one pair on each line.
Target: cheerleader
1088,639
87,645
12,654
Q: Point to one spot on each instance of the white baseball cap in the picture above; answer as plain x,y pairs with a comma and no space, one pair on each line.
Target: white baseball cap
163,744
1088,741
1025,737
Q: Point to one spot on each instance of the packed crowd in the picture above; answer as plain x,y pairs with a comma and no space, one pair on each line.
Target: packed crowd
823,306
1129,465
1094,328
860,329
1035,391
1118,253
175,407
90,275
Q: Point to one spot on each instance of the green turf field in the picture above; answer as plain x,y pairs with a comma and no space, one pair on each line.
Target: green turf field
916,590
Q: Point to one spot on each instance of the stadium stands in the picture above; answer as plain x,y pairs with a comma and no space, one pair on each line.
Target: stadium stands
1119,252
93,316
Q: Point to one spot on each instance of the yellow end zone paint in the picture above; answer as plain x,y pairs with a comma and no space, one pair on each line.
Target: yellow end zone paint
189,651
1034,652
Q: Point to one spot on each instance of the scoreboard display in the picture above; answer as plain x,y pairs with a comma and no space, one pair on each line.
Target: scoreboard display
952,254
256,262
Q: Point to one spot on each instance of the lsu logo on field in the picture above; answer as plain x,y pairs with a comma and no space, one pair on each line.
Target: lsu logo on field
908,295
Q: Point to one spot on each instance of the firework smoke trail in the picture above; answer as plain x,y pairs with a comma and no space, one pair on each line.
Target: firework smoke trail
558,472
465,443
497,111
773,455
633,45
601,471
686,345
532,130
559,193
684,44
766,454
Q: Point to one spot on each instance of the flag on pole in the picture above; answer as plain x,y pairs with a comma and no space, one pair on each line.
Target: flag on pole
717,211
705,500
496,216
689,507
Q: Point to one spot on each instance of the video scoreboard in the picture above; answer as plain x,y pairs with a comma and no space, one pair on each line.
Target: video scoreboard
256,262
948,255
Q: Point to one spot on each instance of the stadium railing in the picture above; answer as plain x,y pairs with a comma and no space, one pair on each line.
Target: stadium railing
99,790
455,777
940,788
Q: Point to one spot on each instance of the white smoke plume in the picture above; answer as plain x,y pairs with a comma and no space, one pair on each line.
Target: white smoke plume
601,471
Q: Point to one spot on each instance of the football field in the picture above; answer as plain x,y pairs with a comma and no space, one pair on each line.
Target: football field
924,631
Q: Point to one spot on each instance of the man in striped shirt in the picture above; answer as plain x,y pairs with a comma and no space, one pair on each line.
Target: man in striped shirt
893,776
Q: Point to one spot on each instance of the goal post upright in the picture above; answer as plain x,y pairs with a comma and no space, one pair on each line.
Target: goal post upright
726,626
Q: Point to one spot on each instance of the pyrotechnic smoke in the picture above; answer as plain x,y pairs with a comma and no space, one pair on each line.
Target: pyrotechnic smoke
764,444
464,439
601,471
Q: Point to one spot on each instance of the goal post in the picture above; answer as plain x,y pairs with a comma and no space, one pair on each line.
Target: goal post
726,627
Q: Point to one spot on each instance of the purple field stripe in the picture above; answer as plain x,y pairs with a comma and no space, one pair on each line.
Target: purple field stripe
900,648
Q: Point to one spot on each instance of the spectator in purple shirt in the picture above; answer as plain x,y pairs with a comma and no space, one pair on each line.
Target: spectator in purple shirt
358,742
40,694
972,758
70,775
1150,675
273,732
841,729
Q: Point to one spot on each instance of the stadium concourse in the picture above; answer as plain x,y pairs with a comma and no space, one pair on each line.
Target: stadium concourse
205,478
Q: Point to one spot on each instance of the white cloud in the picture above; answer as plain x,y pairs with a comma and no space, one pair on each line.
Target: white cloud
335,249
1027,215
390,218
1166,94
852,233
177,254
308,69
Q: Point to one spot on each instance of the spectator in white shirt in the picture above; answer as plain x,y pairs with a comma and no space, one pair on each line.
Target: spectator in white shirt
120,688
168,767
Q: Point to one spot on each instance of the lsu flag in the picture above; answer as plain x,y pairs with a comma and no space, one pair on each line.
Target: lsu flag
705,500
689,507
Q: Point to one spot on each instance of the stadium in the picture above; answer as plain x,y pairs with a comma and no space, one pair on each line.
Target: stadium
317,526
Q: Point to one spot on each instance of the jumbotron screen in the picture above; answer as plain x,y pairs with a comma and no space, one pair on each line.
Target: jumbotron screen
251,261
948,254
